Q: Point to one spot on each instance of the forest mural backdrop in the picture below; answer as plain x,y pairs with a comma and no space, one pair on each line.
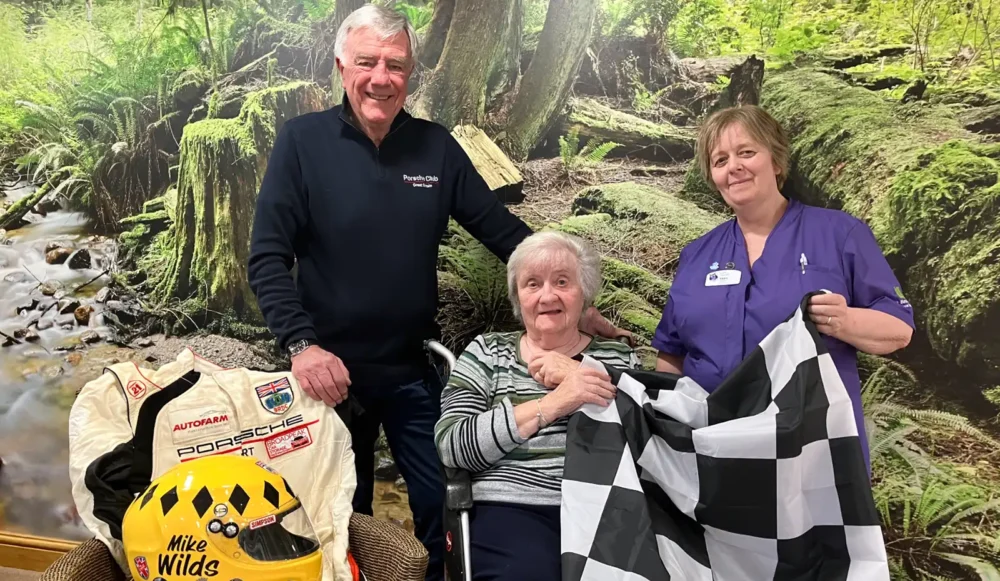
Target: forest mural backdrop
134,134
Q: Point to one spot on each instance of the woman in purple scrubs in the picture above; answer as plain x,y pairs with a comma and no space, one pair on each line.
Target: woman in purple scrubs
738,282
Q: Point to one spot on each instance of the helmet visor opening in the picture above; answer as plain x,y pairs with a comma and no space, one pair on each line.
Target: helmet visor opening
282,537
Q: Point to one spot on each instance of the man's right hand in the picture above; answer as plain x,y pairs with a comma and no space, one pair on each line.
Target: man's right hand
322,375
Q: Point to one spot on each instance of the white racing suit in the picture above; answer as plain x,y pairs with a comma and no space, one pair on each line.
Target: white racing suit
131,425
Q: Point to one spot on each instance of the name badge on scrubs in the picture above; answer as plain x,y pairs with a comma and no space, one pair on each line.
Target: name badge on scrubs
723,278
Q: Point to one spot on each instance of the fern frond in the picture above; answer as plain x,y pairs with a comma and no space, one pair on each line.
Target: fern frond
942,419
883,440
569,145
987,571
981,508
601,151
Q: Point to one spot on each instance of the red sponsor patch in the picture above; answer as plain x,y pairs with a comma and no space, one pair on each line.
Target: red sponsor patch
290,441
263,522
136,388
142,567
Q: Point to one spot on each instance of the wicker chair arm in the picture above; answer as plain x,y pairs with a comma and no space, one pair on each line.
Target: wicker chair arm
386,552
89,561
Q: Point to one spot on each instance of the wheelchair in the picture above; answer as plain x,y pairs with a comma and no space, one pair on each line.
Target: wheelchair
458,497
458,491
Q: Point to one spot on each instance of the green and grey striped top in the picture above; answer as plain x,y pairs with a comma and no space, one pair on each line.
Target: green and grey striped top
477,431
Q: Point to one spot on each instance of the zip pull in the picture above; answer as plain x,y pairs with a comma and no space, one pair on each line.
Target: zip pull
803,262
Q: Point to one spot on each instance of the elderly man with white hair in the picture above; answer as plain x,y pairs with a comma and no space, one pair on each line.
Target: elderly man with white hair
507,428
358,197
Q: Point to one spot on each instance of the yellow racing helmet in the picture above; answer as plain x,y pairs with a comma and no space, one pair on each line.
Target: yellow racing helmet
220,517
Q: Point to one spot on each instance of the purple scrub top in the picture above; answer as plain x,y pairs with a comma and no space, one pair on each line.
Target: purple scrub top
715,327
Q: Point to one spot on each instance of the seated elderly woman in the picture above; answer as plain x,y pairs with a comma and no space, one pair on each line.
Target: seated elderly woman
507,428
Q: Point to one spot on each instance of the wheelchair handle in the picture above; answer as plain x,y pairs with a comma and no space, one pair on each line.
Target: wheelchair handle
442,351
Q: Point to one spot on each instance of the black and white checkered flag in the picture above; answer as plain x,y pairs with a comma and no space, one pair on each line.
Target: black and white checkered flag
764,479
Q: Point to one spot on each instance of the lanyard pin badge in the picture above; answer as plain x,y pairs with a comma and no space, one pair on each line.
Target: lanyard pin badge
803,262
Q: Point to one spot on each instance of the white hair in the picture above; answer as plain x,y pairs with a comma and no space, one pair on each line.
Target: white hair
385,22
542,245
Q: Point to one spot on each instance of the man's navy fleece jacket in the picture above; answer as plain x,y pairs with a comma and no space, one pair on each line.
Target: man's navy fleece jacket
364,224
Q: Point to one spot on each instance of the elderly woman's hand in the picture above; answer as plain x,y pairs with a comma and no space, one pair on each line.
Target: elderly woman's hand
550,369
582,385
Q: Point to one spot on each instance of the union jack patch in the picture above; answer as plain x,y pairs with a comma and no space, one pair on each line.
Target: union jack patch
276,396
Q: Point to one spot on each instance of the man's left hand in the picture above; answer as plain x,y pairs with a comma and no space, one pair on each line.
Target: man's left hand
830,313
593,323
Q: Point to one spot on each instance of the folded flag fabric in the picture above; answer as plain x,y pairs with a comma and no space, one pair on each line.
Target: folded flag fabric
764,479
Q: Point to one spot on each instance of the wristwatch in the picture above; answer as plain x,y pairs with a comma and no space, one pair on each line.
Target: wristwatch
299,346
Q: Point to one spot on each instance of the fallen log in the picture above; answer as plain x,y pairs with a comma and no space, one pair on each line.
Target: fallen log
12,218
653,224
926,187
847,58
638,137
500,174
707,70
982,119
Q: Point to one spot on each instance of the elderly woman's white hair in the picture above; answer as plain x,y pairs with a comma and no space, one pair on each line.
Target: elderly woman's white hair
385,22
542,246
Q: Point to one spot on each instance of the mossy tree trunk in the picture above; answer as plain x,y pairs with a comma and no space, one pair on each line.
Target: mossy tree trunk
550,75
455,92
341,11
926,187
437,33
507,66
222,163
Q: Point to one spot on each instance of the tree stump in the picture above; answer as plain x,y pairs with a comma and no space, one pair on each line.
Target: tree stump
500,174
222,164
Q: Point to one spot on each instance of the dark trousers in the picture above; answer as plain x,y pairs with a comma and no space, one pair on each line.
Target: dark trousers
407,413
514,542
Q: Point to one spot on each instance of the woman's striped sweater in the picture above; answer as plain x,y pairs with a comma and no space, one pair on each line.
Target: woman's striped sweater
477,431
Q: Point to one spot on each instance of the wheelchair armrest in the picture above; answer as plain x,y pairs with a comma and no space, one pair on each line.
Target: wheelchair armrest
458,489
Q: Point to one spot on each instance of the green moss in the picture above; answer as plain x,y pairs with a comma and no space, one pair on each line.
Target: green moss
993,395
154,205
646,285
981,119
157,216
628,310
660,222
585,225
929,192
975,96
944,194
872,72
697,191
847,142
134,235
616,272
965,285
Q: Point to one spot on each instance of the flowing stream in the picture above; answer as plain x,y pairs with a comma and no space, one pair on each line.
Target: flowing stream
48,331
